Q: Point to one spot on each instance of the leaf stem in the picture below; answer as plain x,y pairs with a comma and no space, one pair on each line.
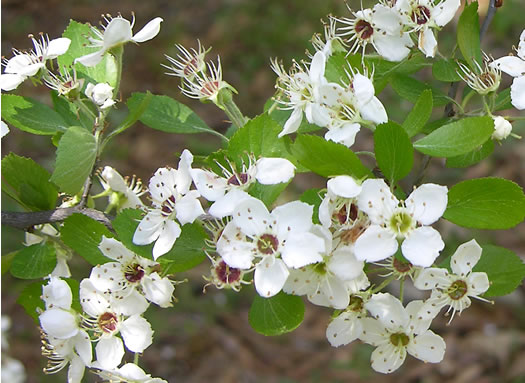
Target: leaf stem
383,284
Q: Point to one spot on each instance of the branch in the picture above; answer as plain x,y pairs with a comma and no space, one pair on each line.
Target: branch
488,18
25,220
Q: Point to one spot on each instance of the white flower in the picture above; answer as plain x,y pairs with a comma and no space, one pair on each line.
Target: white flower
453,289
169,189
391,221
228,191
125,193
130,272
188,63
13,370
205,85
27,64
331,281
515,66
118,31
347,327
65,83
130,373
424,15
381,27
300,86
397,330
101,95
331,41
485,80
338,208
273,242
502,128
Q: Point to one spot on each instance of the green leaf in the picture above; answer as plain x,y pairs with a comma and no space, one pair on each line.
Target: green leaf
468,35
277,315
105,71
436,124
472,157
394,152
31,116
28,183
76,154
456,138
7,261
70,112
504,268
187,252
30,299
166,114
313,197
503,100
410,89
83,235
260,137
420,113
486,203
35,261
267,193
134,114
446,71
327,158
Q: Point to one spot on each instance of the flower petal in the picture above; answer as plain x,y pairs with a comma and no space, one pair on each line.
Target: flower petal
210,185
302,249
445,11
57,294
393,48
344,329
465,258
428,203
377,200
59,323
375,244
388,310
271,171
169,233
149,31
478,283
331,293
189,208
344,134
427,42
517,93
387,358
110,352
430,278
234,249
57,47
270,276
344,186
301,281
427,347
118,31
76,369
9,81
374,111
225,205
292,124
344,264
422,246
132,303
91,59
115,250
149,228
252,217
157,290
137,333
511,65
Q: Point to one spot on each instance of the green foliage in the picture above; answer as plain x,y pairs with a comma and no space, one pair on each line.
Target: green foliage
446,70
394,152
277,315
457,138
312,197
504,268
267,193
28,183
327,158
503,100
410,89
35,261
166,114
83,235
70,112
105,71
472,157
31,116
486,203
468,35
420,113
76,155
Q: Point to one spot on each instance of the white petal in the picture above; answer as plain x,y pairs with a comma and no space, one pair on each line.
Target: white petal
108,277
270,276
10,81
386,19
445,11
59,323
252,217
117,32
189,208
83,347
427,42
373,332
115,250
317,67
430,278
422,246
332,292
374,111
183,177
91,59
478,283
344,186
301,281
295,216
427,347
132,303
109,352
168,235
388,310
363,90
344,329
393,48
158,290
428,203
344,134
209,184
465,258
113,178
318,114
133,372
93,303
418,324
344,264
18,64
31,69
163,184
292,124
57,47
76,369
57,294
149,31
137,333
330,94
517,93
234,249
375,244
302,249
377,200
272,171
387,358
225,205
149,228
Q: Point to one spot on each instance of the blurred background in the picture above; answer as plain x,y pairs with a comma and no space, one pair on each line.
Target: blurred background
206,337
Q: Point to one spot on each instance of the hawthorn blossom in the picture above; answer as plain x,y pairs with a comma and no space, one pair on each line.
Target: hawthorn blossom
423,16
118,31
396,330
27,64
65,83
515,66
331,41
502,128
188,63
228,191
172,199
408,222
381,27
485,79
347,327
338,209
130,272
124,193
272,242
101,95
130,373
453,289
206,85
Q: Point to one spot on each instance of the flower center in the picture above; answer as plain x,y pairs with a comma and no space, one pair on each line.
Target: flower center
401,267
210,88
342,215
319,268
168,206
356,303
457,289
399,339
191,67
267,244
421,15
401,222
107,322
226,274
363,29
134,273
351,235
238,179
488,79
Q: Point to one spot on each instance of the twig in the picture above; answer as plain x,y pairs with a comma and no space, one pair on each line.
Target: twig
491,11
25,220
